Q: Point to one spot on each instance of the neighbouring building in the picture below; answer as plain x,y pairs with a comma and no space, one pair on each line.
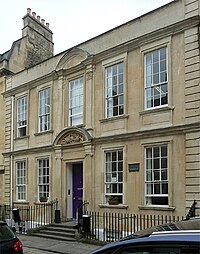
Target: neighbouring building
117,115
35,46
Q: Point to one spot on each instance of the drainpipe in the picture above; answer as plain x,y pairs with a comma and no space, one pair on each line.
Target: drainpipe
11,149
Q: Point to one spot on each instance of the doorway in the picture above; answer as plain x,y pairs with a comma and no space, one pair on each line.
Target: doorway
75,189
77,176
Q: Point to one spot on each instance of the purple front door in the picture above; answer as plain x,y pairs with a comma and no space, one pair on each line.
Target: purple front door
77,186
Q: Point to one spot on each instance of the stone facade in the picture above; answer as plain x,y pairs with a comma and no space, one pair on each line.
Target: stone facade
147,156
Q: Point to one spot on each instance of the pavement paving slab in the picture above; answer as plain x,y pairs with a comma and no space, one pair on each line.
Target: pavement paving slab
35,245
35,251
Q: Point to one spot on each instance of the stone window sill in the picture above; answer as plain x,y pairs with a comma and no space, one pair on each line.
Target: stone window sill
22,137
114,118
43,132
119,206
156,110
157,208
41,203
21,202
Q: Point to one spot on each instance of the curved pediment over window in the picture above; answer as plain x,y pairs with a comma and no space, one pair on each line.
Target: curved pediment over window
72,58
72,135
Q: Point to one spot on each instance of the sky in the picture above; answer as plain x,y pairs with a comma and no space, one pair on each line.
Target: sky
71,21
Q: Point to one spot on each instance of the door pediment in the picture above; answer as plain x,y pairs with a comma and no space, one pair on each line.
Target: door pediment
72,135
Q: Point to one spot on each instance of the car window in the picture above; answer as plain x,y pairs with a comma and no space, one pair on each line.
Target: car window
135,252
6,233
191,250
161,250
151,250
110,251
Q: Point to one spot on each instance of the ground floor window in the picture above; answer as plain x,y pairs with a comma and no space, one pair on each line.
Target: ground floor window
21,180
114,175
43,178
156,175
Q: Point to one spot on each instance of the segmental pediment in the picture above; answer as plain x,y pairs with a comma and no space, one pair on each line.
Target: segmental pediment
72,135
72,58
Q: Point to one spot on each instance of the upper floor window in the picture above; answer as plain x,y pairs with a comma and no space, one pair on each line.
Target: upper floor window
21,180
76,102
114,90
22,116
44,110
156,78
43,177
156,177
114,174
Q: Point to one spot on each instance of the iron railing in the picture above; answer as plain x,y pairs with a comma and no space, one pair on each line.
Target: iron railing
192,211
82,209
24,217
106,226
110,227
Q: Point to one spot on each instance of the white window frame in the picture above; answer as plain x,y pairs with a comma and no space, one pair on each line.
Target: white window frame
113,180
114,90
156,78
43,177
76,100
22,116
44,109
156,175
21,180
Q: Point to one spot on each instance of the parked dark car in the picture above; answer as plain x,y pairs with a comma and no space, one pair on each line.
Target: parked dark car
165,242
188,224
9,243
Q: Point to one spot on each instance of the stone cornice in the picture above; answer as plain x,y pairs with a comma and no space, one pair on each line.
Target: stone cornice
156,132
148,38
5,72
45,148
141,134
50,77
29,85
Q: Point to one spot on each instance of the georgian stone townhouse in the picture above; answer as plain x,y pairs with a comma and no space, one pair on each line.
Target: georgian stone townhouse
117,115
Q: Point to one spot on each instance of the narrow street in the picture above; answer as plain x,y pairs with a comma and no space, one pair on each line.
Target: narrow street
35,251
38,245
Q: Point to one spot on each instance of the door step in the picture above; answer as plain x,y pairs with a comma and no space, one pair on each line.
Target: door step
63,231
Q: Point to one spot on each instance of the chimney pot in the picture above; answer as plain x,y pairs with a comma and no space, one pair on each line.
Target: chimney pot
28,10
42,21
33,14
38,18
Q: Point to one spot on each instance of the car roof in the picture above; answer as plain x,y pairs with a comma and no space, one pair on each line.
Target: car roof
172,237
190,224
